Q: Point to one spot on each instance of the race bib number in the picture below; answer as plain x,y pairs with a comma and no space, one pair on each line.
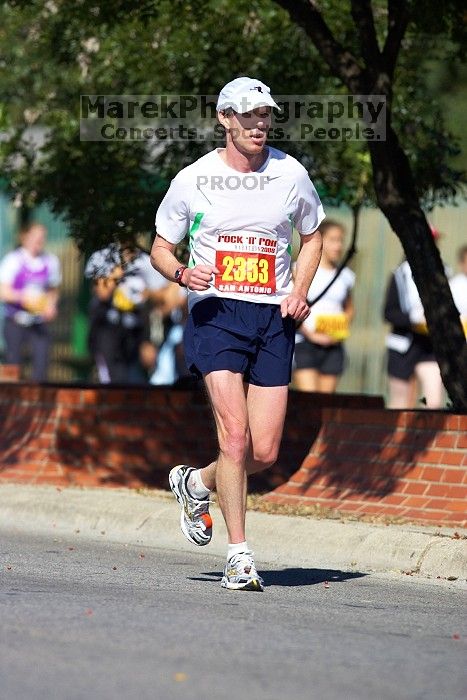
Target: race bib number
249,267
334,325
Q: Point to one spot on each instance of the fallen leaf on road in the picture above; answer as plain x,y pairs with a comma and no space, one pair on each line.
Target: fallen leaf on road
456,636
8,568
70,548
142,556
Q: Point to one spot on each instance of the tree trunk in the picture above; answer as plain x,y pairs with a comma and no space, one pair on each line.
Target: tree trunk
398,200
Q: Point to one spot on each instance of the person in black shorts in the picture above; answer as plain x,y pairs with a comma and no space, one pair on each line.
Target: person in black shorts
410,355
319,349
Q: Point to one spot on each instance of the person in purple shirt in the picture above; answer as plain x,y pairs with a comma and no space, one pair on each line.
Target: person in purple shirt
29,282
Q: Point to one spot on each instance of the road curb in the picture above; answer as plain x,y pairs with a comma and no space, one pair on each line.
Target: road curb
120,515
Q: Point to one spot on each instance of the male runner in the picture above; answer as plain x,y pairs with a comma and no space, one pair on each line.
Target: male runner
239,206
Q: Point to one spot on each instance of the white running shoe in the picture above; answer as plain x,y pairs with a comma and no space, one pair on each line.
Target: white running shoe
195,521
240,574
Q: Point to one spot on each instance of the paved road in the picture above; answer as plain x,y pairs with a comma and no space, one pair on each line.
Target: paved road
107,622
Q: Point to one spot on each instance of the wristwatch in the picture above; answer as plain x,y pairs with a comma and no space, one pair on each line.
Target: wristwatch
179,274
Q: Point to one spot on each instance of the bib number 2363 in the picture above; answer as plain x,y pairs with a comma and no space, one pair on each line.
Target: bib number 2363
245,273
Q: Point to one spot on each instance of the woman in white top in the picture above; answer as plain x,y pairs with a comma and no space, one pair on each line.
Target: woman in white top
319,348
410,357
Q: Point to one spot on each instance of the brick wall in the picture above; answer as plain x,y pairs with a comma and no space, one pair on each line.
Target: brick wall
9,373
407,464
98,436
350,453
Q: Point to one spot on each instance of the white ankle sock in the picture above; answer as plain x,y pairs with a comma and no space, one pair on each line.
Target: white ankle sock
236,549
196,486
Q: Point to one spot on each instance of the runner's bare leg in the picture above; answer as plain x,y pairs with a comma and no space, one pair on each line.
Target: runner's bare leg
266,424
233,414
266,428
229,405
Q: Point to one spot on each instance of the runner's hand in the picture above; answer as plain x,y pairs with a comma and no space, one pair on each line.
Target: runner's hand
295,306
199,277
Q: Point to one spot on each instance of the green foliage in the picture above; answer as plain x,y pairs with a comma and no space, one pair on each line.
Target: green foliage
60,49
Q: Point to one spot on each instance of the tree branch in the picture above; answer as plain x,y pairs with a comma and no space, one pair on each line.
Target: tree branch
341,61
362,13
398,20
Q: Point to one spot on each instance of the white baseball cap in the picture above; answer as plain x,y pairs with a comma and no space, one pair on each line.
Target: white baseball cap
245,94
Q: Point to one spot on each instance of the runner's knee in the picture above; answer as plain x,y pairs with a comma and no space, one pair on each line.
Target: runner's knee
233,444
264,457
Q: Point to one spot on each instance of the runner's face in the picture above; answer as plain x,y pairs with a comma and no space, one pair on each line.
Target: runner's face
249,130
333,244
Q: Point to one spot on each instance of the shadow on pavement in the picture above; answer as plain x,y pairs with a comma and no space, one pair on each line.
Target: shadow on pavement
291,577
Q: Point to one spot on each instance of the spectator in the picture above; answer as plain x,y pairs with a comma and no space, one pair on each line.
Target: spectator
29,282
459,286
319,347
410,351
170,365
124,286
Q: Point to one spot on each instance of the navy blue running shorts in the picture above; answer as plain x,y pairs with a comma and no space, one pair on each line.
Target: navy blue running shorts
241,336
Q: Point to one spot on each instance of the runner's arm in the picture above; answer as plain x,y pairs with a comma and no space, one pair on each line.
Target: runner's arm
295,304
164,261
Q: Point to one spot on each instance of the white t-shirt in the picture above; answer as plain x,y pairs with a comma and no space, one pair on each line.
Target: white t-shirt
241,222
332,303
459,293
